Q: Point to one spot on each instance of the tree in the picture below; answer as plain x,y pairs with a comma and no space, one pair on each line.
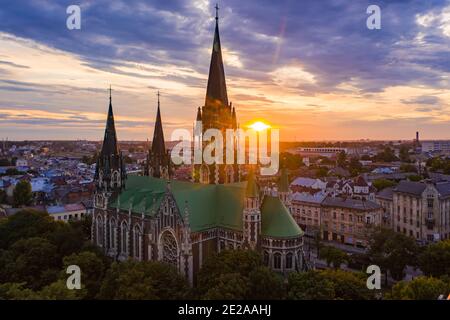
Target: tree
244,268
136,280
3,196
355,167
58,291
22,194
392,251
333,256
341,158
310,285
92,271
35,262
435,259
67,239
387,155
381,184
420,288
264,284
328,285
404,153
415,178
25,224
228,286
321,172
407,167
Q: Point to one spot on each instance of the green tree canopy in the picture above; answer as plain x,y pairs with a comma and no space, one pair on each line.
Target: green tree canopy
25,224
149,280
22,194
328,285
92,271
244,267
392,251
435,259
35,262
333,256
420,288
381,184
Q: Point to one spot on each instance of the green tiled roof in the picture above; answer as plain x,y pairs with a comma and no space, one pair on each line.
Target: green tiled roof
276,221
209,205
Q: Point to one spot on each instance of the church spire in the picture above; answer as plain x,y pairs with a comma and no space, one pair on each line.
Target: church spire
158,146
158,159
216,93
110,170
110,146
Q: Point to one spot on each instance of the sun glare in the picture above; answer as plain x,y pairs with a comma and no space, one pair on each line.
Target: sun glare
259,126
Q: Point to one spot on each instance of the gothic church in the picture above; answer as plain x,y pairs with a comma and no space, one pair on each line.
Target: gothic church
153,217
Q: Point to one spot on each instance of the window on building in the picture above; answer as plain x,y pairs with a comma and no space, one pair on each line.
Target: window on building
289,261
266,258
277,260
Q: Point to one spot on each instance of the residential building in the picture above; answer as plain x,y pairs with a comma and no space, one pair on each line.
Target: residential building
422,210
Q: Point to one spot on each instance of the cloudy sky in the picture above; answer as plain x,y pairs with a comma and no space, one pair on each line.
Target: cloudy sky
311,68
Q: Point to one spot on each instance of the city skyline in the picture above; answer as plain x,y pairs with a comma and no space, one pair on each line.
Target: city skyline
314,71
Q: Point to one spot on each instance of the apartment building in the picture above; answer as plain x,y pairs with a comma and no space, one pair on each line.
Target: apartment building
422,210
338,219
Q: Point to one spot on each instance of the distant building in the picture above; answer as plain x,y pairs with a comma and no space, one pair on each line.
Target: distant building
319,151
422,210
67,212
337,219
436,146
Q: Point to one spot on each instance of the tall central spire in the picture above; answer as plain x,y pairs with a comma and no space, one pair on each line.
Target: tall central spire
110,146
158,146
216,93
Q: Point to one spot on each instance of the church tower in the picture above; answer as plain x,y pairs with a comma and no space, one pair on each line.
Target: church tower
217,113
252,213
158,159
284,191
110,172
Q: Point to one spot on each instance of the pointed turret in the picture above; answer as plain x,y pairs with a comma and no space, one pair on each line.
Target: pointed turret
216,93
158,145
252,190
110,171
233,119
110,146
158,160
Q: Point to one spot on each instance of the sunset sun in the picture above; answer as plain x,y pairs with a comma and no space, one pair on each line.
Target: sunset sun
259,126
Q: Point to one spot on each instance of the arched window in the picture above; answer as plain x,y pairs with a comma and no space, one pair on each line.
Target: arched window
289,261
169,248
277,260
124,237
204,174
112,233
115,179
266,258
99,230
137,245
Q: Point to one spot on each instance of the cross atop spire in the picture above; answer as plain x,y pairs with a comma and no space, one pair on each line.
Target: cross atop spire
217,11
158,94
110,94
